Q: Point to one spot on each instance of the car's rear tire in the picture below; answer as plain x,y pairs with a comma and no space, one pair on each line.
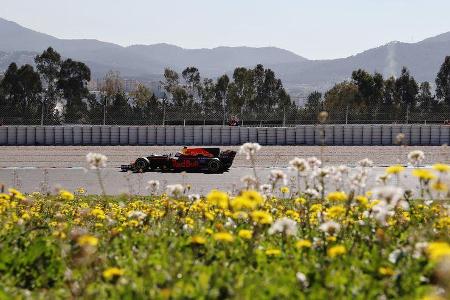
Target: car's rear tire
214,165
141,165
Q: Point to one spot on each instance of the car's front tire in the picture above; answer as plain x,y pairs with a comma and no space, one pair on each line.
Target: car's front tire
214,165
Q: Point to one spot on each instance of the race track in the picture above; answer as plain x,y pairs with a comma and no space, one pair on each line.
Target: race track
39,168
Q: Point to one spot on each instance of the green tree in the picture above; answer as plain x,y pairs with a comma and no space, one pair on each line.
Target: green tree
426,100
443,82
73,79
221,91
48,65
21,88
406,89
111,87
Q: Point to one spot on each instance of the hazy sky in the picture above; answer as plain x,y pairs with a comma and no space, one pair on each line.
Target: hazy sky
314,29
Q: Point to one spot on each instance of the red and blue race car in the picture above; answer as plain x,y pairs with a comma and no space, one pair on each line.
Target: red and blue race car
210,160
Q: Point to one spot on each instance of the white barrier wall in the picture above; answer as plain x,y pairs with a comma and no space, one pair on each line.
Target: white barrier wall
224,135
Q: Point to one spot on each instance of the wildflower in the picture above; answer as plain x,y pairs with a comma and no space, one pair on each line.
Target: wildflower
277,176
362,200
303,244
273,252
365,163
389,194
245,234
249,181
261,217
285,226
66,195
336,251
300,201
439,186
385,271
284,190
337,197
314,162
87,240
98,213
198,240
193,197
300,165
330,227
312,193
394,255
438,250
266,189
136,214
253,196
153,186
96,160
223,237
175,190
302,279
335,212
416,157
112,273
423,175
395,169
250,149
218,198
383,178
442,168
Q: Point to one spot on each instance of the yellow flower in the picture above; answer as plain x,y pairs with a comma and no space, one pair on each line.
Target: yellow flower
438,250
273,252
337,196
87,240
253,196
443,168
439,186
261,217
98,213
284,189
335,212
240,203
198,240
66,195
443,222
385,271
5,196
362,200
245,234
113,272
423,174
331,238
25,216
223,237
209,216
300,201
303,244
218,198
395,169
336,251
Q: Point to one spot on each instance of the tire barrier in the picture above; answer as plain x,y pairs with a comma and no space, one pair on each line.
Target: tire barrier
105,135
30,139
352,135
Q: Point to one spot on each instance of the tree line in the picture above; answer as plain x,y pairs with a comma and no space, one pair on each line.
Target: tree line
371,97
56,92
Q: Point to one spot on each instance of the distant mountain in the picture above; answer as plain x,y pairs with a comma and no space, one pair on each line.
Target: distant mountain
299,74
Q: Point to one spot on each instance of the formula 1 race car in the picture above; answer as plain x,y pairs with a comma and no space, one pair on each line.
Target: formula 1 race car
210,160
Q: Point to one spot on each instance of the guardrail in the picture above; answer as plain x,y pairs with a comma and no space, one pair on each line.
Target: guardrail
352,135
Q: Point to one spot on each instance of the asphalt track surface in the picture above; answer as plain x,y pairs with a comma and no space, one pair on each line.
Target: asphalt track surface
39,168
